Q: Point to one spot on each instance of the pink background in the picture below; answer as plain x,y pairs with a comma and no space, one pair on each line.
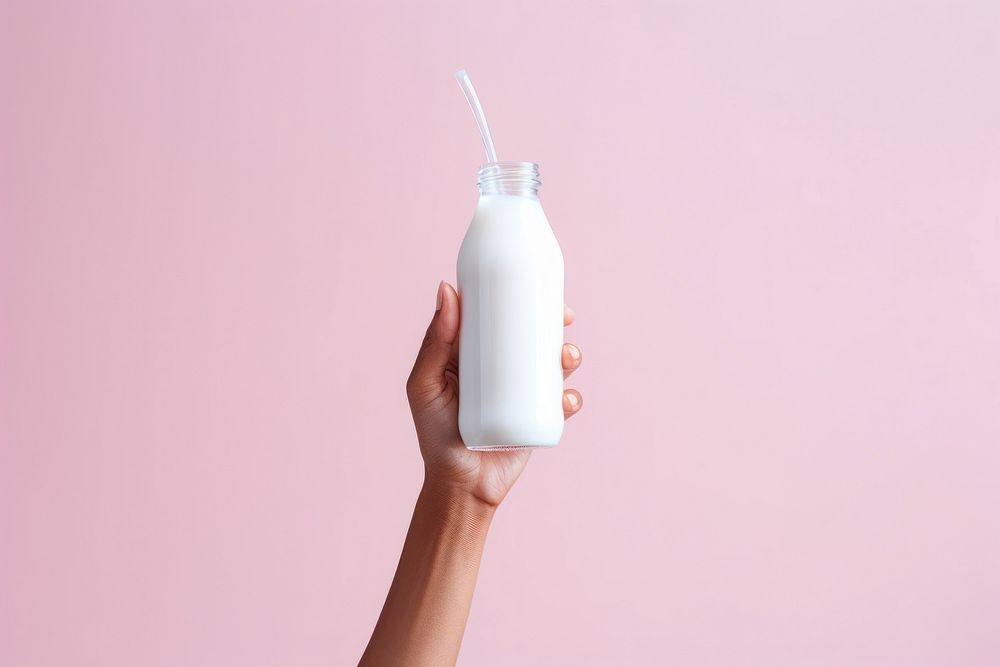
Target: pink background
222,229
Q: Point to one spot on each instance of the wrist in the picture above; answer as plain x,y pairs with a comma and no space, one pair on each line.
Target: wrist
455,500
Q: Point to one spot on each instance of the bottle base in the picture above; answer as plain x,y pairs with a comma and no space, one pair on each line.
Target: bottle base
504,448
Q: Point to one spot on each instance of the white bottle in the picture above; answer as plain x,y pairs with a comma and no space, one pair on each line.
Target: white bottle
510,282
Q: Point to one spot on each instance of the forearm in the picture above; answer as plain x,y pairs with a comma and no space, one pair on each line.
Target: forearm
428,603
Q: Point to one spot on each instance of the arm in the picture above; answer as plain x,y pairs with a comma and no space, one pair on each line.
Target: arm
425,612
424,615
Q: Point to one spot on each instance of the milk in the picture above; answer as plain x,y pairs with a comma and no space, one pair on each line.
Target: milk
510,283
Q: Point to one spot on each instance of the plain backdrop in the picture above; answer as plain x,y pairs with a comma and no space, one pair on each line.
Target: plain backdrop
222,225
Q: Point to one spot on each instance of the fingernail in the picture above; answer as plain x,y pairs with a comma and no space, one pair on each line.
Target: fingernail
572,400
440,297
574,353
572,313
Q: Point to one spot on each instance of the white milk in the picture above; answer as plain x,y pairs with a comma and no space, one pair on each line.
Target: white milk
510,280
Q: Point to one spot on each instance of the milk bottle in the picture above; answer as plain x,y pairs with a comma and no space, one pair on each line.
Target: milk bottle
510,285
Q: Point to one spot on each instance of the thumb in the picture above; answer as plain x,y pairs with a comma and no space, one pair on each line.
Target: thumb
439,347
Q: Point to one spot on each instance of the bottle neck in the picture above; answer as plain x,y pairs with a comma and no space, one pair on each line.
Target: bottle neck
509,178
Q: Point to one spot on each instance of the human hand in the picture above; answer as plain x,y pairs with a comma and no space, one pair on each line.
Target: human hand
432,390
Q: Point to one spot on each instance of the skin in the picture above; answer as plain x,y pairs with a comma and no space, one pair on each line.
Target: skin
425,612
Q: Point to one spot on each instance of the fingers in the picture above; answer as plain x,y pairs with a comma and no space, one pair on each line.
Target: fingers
437,350
571,359
572,402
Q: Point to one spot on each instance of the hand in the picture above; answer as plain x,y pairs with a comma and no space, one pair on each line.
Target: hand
432,389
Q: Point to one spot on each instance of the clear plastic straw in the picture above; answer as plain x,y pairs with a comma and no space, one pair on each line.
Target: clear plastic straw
477,110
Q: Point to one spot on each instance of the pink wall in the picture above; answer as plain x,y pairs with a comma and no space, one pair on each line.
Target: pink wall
222,229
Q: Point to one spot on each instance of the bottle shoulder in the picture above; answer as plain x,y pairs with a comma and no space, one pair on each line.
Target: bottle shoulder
502,214
486,245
